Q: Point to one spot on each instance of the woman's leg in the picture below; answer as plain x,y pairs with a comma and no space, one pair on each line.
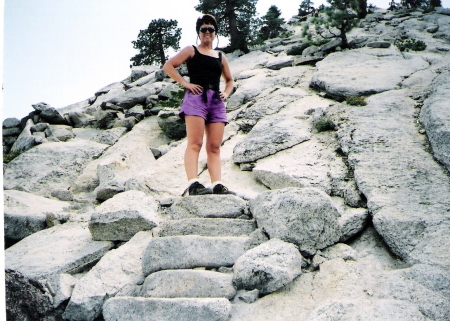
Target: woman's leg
195,128
214,137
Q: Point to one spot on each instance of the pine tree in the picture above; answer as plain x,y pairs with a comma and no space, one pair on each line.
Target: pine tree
362,9
306,7
234,17
341,16
271,24
153,42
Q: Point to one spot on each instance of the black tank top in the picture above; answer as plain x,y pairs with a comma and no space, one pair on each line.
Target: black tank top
205,71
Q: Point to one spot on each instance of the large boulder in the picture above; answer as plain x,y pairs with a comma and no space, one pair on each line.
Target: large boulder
59,132
66,248
364,71
25,141
171,124
116,269
79,119
10,123
303,216
280,62
49,114
121,217
253,83
26,299
132,97
25,213
272,104
120,167
55,166
313,163
410,212
138,72
268,267
270,135
435,117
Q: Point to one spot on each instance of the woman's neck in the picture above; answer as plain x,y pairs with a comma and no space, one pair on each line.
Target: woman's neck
205,46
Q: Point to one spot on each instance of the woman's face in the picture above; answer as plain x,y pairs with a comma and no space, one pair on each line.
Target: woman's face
207,33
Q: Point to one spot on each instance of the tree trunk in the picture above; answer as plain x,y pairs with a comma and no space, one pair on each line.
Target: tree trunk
162,55
236,40
344,41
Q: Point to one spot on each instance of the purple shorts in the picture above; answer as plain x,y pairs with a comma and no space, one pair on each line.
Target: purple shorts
213,111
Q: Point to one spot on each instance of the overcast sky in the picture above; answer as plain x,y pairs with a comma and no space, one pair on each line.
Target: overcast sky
62,52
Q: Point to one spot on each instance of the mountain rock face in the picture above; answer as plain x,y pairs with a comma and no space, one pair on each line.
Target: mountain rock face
342,211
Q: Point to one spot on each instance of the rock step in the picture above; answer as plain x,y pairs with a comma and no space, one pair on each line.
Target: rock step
190,251
208,206
206,227
138,309
188,284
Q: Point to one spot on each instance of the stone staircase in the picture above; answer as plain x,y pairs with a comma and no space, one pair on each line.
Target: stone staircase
187,264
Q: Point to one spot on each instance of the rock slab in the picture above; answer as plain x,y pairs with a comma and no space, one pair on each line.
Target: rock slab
138,309
188,284
25,213
184,252
117,269
121,217
66,248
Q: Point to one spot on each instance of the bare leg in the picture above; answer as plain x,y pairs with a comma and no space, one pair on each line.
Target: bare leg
214,137
195,128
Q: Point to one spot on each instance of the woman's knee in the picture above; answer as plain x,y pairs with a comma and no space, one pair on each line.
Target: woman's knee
195,145
213,148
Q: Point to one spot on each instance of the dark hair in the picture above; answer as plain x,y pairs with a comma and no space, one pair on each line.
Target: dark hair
207,19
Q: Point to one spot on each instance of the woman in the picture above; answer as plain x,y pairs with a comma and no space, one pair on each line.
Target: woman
203,109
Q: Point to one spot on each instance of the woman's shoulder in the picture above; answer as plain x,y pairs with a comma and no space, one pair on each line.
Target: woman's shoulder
189,49
188,52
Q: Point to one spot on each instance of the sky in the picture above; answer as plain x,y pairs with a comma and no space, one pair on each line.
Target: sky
62,52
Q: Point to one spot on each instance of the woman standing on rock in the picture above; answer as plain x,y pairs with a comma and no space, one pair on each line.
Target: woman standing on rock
203,109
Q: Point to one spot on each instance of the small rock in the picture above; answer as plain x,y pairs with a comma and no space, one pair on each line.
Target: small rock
248,296
268,266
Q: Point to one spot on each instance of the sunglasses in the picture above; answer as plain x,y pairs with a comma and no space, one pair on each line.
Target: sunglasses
211,30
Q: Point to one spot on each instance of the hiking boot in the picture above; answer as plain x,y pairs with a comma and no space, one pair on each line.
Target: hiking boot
220,189
197,188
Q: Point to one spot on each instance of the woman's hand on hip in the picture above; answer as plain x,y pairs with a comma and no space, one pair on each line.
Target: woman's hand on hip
193,88
223,96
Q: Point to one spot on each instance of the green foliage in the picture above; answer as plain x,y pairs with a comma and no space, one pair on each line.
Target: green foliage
415,3
362,9
323,123
271,24
175,100
9,157
305,29
340,15
286,33
235,19
435,3
306,7
356,100
153,42
410,44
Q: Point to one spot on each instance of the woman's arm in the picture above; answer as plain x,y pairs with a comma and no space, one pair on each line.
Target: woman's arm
229,81
169,68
